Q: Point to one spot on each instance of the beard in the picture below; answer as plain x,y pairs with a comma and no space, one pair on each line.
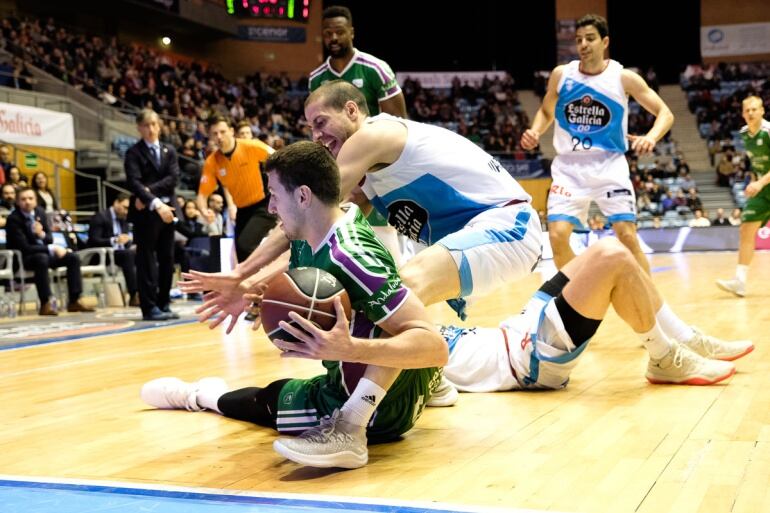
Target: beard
341,51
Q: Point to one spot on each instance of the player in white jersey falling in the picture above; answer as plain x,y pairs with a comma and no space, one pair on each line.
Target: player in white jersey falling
540,347
589,100
434,186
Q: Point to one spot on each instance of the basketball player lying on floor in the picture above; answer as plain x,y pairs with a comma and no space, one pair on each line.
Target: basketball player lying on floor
539,347
536,349
304,185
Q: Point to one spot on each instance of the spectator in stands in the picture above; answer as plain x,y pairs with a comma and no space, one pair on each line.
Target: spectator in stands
656,222
14,177
191,226
735,217
216,204
5,162
682,167
7,203
725,170
667,202
686,182
693,200
680,199
700,220
6,73
110,229
720,219
28,231
8,199
45,196
243,130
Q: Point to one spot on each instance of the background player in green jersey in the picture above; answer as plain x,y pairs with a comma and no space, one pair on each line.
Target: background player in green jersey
372,76
756,212
305,187
376,81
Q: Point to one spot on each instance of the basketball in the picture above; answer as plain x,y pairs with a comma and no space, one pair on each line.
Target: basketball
306,290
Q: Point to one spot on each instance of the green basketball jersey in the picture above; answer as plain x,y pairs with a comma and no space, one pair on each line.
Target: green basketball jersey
372,76
356,257
758,147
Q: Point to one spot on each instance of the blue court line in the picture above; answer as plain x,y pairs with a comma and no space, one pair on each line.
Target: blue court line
662,268
69,338
71,497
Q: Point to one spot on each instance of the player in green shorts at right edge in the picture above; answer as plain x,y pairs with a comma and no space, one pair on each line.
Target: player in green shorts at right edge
756,212
335,413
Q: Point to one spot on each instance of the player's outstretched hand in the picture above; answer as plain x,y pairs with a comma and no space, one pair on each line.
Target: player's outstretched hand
218,307
197,281
315,343
641,144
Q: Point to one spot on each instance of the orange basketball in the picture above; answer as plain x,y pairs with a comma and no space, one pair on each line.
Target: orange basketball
306,290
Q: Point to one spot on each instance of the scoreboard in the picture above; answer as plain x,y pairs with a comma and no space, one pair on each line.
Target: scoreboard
296,10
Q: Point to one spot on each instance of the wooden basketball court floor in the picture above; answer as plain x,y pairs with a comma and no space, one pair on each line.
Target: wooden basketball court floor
609,442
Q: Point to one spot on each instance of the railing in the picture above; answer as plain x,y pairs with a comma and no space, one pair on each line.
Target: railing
101,184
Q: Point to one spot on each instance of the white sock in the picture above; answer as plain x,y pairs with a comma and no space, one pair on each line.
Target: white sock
656,342
358,409
741,271
672,325
208,397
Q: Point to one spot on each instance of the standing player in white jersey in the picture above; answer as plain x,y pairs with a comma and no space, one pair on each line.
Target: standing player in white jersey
589,100
540,347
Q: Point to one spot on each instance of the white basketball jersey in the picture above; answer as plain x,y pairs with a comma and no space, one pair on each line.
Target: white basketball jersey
592,111
439,183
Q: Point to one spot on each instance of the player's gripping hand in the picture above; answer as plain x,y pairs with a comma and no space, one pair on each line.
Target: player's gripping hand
316,343
641,144
530,139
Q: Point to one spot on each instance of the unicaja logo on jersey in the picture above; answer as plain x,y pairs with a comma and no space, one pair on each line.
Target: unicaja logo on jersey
588,114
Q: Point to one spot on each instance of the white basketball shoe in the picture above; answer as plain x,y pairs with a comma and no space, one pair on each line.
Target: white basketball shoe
175,394
333,443
716,349
445,395
682,366
733,285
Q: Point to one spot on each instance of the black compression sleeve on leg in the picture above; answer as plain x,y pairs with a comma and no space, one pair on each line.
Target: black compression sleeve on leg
555,285
253,404
579,328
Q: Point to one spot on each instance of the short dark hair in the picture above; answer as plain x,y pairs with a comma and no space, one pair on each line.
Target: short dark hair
599,22
242,124
145,115
122,197
337,11
219,118
336,94
310,164
25,189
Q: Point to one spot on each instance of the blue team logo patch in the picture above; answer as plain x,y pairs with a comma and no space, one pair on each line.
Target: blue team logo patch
587,114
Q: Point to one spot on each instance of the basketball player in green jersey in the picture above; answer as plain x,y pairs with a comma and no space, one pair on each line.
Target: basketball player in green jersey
305,188
756,212
373,77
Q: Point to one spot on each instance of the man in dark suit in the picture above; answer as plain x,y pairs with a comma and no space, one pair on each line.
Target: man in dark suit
27,230
109,229
152,172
